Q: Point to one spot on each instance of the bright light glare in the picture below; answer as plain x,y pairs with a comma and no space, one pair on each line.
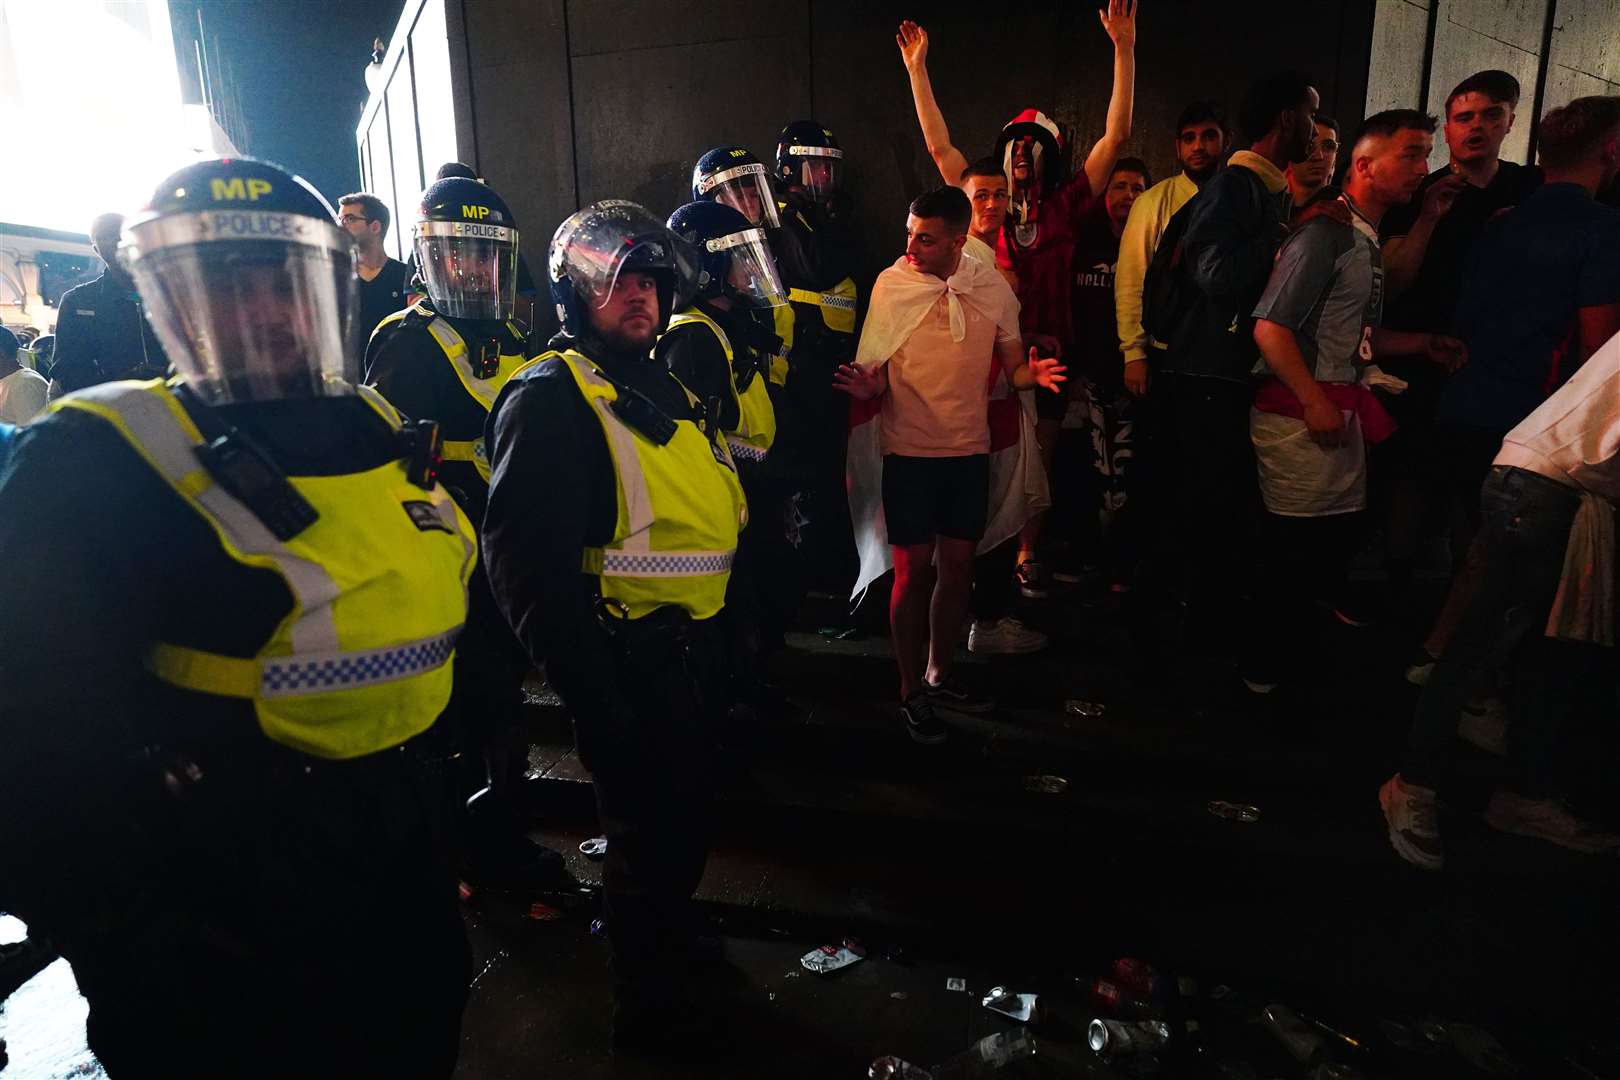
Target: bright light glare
92,99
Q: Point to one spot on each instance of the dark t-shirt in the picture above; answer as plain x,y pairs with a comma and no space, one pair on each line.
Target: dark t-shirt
382,295
1528,275
1095,346
1430,302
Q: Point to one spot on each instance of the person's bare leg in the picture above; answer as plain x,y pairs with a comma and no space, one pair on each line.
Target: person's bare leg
908,613
953,587
1046,437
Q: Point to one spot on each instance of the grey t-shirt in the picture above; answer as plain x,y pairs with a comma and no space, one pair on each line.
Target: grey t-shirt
1328,287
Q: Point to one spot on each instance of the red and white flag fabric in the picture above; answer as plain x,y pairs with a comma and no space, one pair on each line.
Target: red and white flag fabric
901,299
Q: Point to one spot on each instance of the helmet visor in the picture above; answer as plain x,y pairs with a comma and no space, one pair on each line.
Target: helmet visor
470,270
821,170
592,250
753,274
746,190
250,319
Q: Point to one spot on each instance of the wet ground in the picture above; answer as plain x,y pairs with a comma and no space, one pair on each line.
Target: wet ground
967,861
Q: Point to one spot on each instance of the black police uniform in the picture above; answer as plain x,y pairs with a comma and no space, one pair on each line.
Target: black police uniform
410,368
814,253
645,708
757,606
230,906
102,334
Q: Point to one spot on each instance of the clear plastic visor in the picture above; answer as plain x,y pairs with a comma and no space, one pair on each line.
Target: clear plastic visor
470,271
250,320
753,273
746,190
821,170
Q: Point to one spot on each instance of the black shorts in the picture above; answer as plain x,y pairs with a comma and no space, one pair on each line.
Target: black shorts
925,497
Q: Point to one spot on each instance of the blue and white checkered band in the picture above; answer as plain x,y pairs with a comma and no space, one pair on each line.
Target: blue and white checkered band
746,451
665,563
298,676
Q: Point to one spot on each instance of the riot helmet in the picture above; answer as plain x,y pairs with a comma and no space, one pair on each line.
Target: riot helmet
808,157
593,247
466,250
734,176
248,282
734,257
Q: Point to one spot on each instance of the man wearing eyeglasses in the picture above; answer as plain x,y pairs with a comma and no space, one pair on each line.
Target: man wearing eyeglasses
384,281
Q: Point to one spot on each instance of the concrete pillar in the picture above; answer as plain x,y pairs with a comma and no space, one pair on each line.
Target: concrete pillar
1585,53
1395,69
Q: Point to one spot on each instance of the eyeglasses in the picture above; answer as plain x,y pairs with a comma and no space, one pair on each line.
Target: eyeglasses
350,219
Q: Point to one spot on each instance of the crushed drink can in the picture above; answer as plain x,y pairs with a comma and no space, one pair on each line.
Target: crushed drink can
1111,996
594,848
1232,811
831,958
1089,709
1137,976
1120,1038
1020,1007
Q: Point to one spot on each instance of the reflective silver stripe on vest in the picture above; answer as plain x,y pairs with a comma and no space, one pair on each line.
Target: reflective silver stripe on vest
148,418
637,499
455,347
300,676
665,564
744,450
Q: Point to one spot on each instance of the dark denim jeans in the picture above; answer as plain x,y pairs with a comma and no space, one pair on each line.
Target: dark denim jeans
1524,526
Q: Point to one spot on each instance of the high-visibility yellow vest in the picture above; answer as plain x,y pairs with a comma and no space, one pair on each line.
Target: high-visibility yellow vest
680,508
837,306
483,391
756,423
379,586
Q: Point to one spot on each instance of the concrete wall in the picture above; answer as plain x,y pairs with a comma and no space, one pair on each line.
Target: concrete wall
625,94
1581,43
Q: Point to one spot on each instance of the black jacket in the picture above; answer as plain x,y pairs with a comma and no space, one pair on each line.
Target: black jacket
1234,229
102,335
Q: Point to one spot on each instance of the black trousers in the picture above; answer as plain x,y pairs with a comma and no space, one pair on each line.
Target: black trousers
650,753
995,584
1206,497
319,936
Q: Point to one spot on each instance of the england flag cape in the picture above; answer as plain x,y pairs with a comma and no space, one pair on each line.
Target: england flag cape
901,299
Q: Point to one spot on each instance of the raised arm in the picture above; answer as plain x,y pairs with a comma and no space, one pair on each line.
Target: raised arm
1120,23
913,42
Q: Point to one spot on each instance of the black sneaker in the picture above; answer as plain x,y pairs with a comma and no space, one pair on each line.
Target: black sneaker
1033,584
952,695
921,721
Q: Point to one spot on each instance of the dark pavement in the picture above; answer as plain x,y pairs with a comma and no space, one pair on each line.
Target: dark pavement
949,862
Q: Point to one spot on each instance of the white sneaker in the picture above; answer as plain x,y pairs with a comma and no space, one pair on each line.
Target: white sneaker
1005,636
1413,816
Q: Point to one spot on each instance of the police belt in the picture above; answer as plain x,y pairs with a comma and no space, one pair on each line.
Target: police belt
666,635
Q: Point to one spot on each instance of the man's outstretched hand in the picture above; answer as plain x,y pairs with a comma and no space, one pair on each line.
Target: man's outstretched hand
1120,22
913,42
1048,371
857,382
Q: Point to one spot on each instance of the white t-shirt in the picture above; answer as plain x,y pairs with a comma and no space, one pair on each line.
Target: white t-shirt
975,248
22,396
1574,436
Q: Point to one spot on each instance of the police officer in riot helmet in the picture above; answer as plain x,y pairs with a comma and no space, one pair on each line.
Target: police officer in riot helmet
614,510
446,359
213,801
734,176
722,353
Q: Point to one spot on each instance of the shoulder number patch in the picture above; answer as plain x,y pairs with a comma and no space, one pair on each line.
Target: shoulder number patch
425,516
